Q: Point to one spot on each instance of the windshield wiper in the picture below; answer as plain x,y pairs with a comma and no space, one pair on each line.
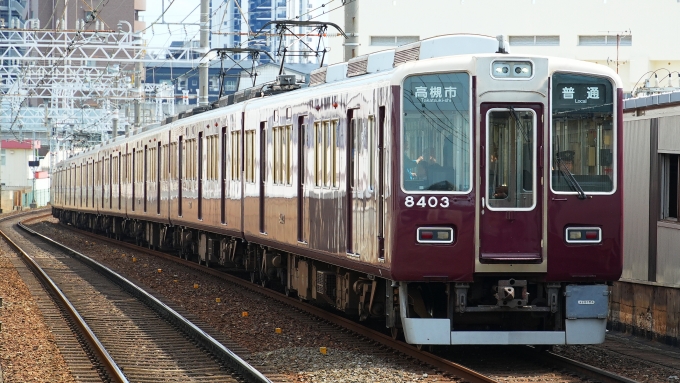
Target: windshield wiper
570,178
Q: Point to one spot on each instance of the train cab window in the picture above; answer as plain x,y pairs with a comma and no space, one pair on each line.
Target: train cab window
436,131
582,135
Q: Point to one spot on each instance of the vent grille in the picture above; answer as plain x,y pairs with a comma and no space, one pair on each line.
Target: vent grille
357,68
407,53
318,76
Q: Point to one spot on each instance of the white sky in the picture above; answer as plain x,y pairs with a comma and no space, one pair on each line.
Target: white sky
178,11
161,35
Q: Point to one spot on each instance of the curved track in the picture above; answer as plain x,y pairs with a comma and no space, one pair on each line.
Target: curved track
146,344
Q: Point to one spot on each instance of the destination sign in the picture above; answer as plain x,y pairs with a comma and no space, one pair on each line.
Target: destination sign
580,94
437,92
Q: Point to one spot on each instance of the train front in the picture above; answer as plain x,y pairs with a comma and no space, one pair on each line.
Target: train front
507,203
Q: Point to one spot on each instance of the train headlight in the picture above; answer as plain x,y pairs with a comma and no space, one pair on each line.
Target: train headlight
512,69
501,69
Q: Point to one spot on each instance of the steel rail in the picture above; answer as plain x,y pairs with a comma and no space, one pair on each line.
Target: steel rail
442,364
205,340
580,368
114,373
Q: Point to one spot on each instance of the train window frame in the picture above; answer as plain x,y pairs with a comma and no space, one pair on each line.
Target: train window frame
325,153
512,161
470,131
614,133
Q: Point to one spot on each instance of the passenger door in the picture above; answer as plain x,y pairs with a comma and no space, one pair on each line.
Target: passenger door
510,216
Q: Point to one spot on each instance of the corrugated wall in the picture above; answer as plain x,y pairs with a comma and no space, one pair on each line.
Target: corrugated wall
669,134
668,243
636,199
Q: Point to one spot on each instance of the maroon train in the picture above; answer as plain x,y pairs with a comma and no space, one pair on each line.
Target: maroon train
462,194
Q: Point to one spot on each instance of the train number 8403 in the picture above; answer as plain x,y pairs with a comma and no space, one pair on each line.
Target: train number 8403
425,201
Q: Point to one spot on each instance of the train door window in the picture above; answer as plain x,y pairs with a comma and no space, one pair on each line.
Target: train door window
284,155
511,159
264,161
107,180
371,151
163,163
133,176
327,148
288,153
180,173
211,153
436,129
215,157
194,159
354,154
79,183
582,134
250,156
235,155
249,139
93,179
276,158
86,181
199,173
318,154
669,177
334,152
186,160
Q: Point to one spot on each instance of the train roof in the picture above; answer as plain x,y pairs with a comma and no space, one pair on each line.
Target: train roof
374,67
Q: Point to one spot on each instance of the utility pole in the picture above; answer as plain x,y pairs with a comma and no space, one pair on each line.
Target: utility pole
351,28
139,67
205,46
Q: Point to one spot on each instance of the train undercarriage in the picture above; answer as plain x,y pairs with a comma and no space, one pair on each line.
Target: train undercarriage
519,310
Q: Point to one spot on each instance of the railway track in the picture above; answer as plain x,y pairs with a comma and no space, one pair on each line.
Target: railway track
441,361
125,339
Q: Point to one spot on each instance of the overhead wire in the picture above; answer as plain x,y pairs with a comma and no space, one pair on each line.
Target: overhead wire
68,51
